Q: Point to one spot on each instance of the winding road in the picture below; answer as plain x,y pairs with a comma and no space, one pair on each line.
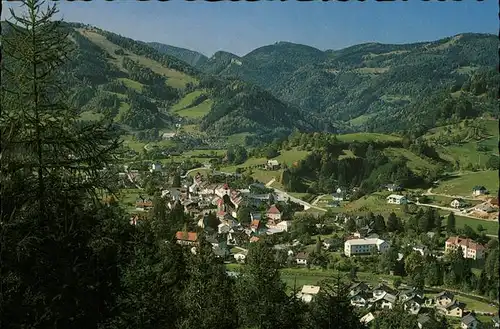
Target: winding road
283,195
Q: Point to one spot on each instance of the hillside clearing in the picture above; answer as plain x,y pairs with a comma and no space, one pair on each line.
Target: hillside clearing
415,163
90,116
186,101
368,137
175,78
132,84
198,111
463,184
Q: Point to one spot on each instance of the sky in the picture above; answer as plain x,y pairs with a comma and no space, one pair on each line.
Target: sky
240,27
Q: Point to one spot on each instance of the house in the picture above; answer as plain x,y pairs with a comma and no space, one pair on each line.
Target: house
387,301
458,203
479,190
484,208
223,228
273,213
414,304
240,257
187,238
338,197
422,250
367,318
424,321
360,299
284,225
272,165
470,248
493,202
382,289
455,309
364,246
496,321
308,292
444,298
301,258
254,239
394,187
409,293
357,288
396,199
469,322
222,190
155,167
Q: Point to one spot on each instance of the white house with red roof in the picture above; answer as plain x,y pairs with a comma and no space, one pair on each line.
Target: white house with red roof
274,214
470,248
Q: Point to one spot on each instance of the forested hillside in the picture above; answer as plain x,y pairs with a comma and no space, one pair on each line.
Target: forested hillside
377,87
191,57
139,88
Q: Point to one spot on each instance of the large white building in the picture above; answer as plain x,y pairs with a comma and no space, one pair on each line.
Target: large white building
364,246
397,199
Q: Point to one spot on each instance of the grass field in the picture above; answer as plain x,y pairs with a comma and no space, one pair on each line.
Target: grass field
347,154
361,120
445,201
90,116
375,203
121,110
463,184
467,153
237,139
198,111
127,198
209,152
289,157
135,145
491,227
186,101
132,84
367,137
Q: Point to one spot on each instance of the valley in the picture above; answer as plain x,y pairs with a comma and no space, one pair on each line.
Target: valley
151,186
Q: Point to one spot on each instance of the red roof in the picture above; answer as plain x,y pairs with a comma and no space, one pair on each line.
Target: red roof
465,242
220,202
187,236
273,210
255,223
226,187
494,202
254,239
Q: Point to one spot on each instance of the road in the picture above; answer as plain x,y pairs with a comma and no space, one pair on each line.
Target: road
283,195
319,197
271,182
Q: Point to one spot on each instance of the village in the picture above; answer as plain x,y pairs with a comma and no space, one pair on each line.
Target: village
231,219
